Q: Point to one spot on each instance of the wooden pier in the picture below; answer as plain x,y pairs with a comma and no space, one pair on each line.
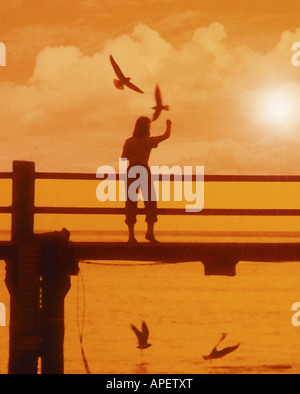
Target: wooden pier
39,266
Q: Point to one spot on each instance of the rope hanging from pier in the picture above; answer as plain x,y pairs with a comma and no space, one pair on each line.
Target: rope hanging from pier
80,328
133,264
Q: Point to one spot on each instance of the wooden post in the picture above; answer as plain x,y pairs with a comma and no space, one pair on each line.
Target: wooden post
23,201
54,289
58,264
23,273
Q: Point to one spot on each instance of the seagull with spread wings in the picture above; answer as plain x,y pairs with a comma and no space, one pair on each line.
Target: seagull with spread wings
215,353
142,336
122,80
159,105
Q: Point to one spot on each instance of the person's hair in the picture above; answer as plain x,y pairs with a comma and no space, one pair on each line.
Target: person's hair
142,127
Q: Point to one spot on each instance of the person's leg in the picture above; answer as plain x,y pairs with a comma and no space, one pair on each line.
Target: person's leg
131,238
150,233
131,207
151,209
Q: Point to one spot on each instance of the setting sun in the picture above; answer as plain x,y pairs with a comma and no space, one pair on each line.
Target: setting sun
275,107
278,109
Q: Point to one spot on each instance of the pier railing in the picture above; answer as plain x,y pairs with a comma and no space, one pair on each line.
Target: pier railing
32,176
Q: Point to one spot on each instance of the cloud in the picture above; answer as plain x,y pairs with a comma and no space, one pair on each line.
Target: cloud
70,106
179,20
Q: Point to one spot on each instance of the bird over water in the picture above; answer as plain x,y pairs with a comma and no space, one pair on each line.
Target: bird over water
122,80
142,336
215,354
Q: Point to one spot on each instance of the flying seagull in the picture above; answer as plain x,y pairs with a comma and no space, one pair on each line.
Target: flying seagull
159,106
119,83
142,336
221,353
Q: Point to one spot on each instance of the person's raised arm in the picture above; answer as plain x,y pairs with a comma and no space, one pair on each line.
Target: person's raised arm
167,133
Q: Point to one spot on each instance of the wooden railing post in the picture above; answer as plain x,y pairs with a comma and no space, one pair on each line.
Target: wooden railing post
23,201
23,273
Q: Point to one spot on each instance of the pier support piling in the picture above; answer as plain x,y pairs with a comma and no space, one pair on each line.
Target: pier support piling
22,275
57,266
54,290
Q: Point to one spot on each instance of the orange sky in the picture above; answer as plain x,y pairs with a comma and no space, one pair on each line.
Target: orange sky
215,62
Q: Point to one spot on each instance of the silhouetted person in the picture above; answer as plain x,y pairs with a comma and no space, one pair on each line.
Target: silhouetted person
215,353
137,151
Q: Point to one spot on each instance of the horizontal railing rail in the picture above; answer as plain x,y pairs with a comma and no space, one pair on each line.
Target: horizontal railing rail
5,209
169,211
194,178
5,175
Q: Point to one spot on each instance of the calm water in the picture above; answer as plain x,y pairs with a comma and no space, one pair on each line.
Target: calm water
186,313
